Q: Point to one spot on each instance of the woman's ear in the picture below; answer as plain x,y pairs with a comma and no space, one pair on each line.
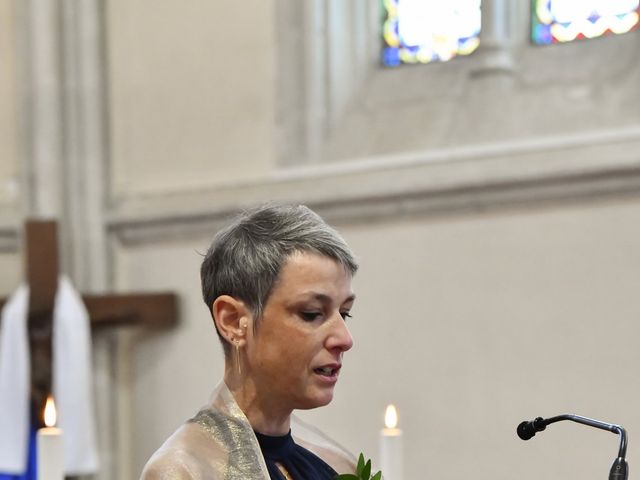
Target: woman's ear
232,318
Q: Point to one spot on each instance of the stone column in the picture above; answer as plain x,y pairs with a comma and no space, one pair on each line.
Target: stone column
44,109
64,174
316,80
496,37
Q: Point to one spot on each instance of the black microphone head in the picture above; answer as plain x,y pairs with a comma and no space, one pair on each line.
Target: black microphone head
526,430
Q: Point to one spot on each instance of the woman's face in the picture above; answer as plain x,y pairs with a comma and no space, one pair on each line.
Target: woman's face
295,356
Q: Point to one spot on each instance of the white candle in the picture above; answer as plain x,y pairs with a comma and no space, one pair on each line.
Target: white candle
50,464
391,458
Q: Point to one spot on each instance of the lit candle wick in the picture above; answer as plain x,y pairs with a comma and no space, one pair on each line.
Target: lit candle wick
50,416
391,417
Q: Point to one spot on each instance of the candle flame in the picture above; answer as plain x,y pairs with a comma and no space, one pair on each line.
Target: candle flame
50,416
391,417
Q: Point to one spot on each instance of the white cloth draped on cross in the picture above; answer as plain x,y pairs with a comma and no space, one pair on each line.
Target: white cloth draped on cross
72,381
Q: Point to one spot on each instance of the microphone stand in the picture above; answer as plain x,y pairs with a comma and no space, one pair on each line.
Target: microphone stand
619,469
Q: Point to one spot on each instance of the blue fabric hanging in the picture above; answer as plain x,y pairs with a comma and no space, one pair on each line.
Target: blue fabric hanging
31,473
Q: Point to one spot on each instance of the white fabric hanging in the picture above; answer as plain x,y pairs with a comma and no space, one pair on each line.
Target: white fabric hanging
14,383
72,381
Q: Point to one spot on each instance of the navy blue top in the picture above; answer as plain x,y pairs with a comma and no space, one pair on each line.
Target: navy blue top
298,461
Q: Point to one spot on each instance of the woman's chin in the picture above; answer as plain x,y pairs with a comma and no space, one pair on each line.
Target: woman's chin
315,401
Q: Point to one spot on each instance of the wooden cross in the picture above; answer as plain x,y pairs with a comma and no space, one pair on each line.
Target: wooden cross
149,309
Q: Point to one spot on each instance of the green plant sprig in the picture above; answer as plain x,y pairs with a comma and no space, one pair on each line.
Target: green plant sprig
363,472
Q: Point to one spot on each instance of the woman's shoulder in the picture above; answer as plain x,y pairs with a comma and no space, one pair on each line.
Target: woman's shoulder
168,465
185,455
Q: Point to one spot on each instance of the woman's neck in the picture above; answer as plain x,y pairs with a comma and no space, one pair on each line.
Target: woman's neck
264,412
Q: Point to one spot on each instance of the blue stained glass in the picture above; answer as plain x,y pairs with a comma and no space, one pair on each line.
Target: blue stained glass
543,33
390,57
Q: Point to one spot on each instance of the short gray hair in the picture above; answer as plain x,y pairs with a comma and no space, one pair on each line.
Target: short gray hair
245,259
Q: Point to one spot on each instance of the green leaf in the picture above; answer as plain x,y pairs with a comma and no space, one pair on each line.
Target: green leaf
363,471
366,471
360,466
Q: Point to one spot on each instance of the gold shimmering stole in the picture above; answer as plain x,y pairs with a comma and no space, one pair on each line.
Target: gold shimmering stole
224,423
243,462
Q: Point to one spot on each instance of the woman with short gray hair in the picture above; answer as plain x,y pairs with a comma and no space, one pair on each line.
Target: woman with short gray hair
277,282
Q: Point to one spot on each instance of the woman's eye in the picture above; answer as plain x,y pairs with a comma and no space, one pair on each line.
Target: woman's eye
345,315
310,316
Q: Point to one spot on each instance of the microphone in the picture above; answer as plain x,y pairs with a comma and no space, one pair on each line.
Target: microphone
527,430
619,470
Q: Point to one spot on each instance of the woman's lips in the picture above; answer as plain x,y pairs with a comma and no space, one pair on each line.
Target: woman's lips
328,372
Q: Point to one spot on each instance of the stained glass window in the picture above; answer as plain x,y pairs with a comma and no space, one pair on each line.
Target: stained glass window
555,21
423,31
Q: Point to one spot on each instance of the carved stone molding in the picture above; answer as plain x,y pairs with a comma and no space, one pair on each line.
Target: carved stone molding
470,178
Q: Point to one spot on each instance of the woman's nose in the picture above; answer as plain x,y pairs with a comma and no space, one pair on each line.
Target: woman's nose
340,337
